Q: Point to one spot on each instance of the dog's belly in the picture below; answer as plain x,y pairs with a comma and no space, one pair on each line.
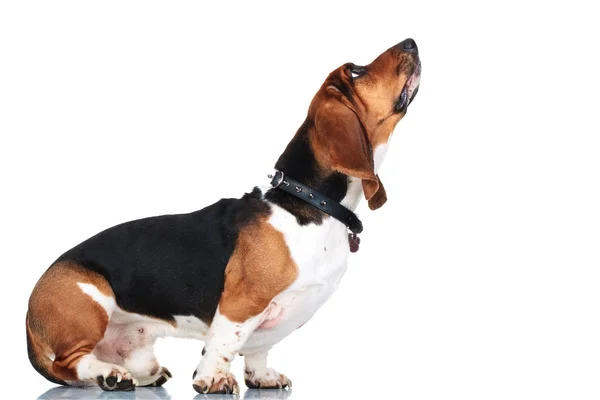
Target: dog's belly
122,321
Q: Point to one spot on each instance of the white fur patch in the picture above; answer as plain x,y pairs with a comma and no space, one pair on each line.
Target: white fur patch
353,193
141,363
189,327
107,302
320,253
379,154
225,339
257,372
90,368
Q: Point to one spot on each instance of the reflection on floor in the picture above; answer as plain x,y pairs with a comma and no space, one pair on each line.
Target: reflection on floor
70,393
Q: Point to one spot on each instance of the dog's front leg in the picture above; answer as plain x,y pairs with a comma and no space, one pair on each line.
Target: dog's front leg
259,268
258,376
225,339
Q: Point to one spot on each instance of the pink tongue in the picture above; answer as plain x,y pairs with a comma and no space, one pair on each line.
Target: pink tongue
354,241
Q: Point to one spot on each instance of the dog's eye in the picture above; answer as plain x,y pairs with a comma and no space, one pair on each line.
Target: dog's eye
356,71
401,103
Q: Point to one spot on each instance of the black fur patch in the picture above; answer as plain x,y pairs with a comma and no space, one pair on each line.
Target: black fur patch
172,264
299,162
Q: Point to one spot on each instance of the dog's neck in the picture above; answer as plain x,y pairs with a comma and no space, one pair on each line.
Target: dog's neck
298,161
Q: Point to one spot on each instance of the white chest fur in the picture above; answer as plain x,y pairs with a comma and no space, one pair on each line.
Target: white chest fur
321,254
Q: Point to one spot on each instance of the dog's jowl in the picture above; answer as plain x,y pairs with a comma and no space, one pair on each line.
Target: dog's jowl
240,274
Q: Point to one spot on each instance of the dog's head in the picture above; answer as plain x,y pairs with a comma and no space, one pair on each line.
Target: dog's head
355,112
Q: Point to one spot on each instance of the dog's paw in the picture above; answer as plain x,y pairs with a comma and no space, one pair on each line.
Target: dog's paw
266,379
116,379
163,377
220,383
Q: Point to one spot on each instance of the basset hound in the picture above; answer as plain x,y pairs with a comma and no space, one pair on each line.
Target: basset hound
241,274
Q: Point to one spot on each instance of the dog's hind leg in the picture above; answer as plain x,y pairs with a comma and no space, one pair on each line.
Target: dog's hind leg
132,346
69,311
143,365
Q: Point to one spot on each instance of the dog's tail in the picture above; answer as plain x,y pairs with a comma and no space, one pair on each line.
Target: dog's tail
39,351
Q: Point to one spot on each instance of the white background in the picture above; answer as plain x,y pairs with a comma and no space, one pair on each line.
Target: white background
480,277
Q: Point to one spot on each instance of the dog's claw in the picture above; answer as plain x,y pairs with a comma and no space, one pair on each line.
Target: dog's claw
223,383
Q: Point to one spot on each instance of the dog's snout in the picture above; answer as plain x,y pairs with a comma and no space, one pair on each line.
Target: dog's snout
408,45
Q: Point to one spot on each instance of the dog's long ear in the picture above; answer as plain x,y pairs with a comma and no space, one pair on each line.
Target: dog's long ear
379,198
341,134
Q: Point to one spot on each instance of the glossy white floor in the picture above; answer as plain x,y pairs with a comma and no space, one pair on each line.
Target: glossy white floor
314,376
155,394
181,356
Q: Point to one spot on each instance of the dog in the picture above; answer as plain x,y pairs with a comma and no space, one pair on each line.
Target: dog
241,274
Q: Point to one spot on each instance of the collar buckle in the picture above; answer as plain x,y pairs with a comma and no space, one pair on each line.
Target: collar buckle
277,179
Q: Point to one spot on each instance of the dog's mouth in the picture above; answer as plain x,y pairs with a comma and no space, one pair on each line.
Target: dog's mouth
411,87
412,84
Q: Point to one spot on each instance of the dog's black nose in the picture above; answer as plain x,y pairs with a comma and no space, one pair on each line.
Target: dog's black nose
409,45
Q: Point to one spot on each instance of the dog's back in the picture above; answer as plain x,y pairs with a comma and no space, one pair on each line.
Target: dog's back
157,267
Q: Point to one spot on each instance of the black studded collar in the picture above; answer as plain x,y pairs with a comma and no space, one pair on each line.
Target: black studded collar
318,200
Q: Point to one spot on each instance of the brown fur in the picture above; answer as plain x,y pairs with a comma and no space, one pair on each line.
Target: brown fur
64,321
340,143
379,198
352,117
260,267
